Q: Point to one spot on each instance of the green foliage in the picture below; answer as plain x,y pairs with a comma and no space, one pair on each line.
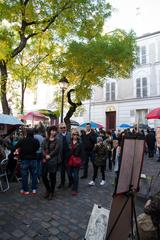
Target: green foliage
66,34
87,63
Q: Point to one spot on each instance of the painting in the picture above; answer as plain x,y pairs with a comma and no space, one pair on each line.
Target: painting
98,222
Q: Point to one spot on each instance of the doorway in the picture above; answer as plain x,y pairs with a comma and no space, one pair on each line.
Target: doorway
110,120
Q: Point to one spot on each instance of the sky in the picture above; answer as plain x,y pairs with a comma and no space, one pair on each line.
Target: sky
143,16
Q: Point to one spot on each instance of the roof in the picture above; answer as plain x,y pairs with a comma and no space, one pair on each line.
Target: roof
148,34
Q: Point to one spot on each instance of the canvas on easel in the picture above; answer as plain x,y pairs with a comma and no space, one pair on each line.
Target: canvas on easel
123,209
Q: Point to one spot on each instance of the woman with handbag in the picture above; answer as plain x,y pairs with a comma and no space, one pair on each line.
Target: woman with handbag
51,151
74,161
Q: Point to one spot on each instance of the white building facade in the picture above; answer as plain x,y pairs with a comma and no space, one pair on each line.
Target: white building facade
129,100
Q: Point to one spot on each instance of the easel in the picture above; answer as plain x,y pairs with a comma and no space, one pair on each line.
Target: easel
123,212
129,197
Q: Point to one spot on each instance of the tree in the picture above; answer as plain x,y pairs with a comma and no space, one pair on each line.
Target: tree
31,65
87,63
27,19
72,109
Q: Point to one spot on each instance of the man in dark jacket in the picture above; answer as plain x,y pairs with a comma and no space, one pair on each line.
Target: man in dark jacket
150,140
89,139
28,147
65,139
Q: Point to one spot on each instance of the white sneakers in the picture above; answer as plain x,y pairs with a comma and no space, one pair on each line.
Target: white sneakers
92,183
102,182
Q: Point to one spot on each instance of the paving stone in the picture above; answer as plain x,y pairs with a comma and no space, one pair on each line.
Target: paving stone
74,235
63,229
35,226
44,232
46,224
54,223
23,227
39,237
53,238
18,233
53,230
31,233
26,238
63,236
27,221
5,236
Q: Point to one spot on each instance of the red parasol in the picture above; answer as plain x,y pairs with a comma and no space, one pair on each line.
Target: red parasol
34,116
154,114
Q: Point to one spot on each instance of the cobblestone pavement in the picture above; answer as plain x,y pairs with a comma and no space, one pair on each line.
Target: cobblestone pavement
65,217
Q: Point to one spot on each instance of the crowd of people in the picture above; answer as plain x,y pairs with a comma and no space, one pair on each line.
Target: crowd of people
42,153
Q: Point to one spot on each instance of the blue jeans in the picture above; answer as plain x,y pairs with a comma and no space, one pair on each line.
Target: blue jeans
74,178
26,167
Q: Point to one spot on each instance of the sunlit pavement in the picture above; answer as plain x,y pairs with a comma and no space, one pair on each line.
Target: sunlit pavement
64,217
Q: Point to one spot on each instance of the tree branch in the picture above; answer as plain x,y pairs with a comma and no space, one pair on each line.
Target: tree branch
89,70
26,2
71,110
23,38
40,61
21,46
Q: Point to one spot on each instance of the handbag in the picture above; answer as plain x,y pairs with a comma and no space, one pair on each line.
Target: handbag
74,161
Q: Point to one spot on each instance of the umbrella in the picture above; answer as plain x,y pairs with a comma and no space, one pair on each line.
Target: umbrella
74,123
141,125
8,124
48,113
93,125
34,116
154,114
125,125
10,120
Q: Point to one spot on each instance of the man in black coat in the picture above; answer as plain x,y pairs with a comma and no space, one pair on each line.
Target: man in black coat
150,140
89,139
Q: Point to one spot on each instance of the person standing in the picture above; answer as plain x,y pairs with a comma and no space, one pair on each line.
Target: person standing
150,140
51,150
65,141
74,161
100,161
158,142
88,139
28,147
109,144
40,138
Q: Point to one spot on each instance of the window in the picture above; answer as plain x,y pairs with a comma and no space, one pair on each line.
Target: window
111,91
141,116
141,55
141,87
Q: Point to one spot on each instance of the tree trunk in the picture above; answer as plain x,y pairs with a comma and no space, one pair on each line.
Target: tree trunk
4,102
22,96
71,110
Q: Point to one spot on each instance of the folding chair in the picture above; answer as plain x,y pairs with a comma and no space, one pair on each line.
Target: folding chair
4,183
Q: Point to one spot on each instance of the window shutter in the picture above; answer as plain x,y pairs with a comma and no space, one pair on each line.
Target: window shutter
108,92
138,87
144,87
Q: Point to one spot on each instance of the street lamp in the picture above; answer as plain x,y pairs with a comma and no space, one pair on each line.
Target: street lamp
63,83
